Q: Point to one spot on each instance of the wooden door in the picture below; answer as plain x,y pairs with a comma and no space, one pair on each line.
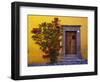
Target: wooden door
70,42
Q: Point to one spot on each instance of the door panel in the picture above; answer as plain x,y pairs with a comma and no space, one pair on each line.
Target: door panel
70,42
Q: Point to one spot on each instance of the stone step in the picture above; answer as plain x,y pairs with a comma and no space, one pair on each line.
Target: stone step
71,60
69,56
70,63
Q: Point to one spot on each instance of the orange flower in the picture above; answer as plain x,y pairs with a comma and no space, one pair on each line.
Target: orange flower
35,30
56,19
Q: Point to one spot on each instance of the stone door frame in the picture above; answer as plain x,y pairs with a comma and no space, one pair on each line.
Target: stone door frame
75,28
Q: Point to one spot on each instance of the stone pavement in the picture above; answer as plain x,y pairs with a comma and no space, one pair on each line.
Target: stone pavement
65,60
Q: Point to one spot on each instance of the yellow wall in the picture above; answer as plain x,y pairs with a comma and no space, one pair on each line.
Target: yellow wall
35,54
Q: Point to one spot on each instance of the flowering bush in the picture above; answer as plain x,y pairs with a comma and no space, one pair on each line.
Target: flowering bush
47,36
